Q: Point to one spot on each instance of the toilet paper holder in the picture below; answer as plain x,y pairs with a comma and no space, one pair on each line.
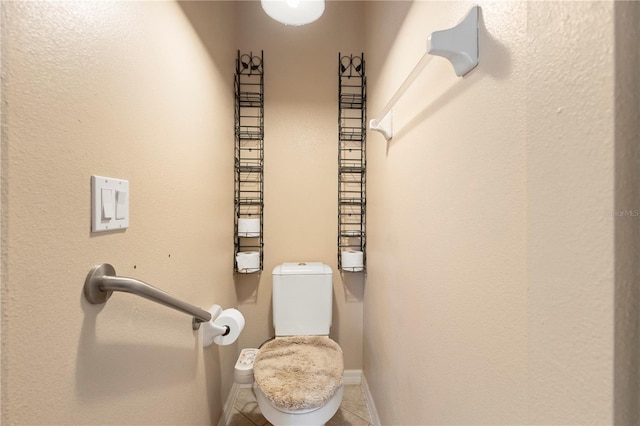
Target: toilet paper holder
224,328
102,281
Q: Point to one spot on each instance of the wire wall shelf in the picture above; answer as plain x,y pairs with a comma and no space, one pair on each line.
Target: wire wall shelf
352,135
249,163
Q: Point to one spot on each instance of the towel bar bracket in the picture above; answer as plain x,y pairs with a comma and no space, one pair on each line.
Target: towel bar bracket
195,323
92,291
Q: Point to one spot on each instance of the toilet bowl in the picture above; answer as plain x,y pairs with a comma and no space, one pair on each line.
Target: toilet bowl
298,375
316,416
298,380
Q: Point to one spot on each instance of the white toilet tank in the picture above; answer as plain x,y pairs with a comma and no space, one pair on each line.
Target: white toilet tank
302,299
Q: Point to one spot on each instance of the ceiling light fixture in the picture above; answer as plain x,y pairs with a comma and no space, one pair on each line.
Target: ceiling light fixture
294,12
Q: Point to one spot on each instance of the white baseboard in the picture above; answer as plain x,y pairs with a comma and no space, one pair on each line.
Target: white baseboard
375,420
350,377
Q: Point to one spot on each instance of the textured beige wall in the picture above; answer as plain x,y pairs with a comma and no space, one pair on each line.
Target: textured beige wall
491,253
627,226
445,299
3,221
129,90
494,262
300,222
570,187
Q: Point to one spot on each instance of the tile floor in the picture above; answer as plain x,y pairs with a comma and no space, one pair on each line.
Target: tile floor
352,411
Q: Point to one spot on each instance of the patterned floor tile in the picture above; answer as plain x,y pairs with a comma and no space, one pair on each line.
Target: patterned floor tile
352,412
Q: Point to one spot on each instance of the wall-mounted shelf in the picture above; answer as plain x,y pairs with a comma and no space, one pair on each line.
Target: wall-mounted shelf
249,163
352,136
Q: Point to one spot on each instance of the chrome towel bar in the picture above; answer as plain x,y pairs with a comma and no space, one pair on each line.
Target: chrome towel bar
102,281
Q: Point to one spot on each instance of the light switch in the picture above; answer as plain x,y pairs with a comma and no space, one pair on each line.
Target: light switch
122,204
109,204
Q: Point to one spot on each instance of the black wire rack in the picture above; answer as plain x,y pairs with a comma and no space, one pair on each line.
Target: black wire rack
352,135
249,154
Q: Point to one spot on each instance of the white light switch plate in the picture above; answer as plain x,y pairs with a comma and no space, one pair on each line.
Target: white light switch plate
109,204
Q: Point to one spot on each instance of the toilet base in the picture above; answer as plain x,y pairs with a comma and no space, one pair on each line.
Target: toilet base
314,417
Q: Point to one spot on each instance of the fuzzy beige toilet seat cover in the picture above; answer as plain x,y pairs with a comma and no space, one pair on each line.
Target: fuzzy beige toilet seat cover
299,372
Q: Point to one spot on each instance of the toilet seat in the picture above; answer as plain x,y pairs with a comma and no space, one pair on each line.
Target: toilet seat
299,373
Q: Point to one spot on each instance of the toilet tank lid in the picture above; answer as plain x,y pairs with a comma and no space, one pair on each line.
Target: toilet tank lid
302,268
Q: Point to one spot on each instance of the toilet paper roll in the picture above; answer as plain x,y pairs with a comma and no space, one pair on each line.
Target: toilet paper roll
352,261
233,319
248,261
248,227
223,328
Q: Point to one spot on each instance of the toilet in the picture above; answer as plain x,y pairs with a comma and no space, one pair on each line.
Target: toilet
298,375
